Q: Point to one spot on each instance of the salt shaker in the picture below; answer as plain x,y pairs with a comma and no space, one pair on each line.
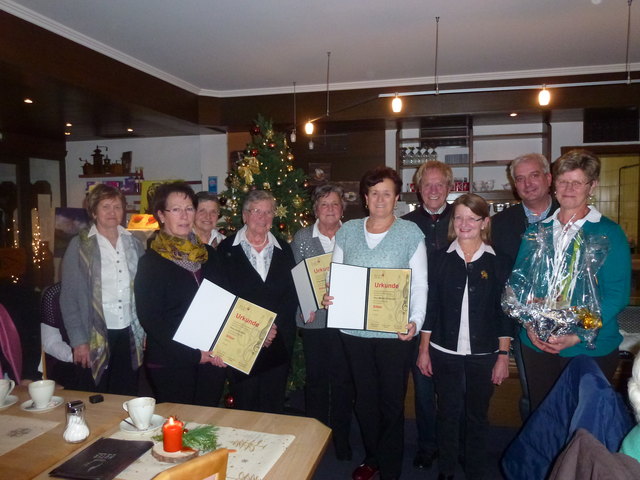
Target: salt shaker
76,430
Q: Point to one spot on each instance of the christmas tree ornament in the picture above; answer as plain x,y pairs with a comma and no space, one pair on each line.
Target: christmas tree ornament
229,401
255,130
223,201
266,186
254,152
245,189
297,201
290,157
271,145
289,168
282,226
281,211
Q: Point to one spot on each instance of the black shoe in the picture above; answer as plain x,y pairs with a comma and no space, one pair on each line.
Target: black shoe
423,460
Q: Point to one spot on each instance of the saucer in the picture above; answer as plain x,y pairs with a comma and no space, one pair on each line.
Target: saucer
8,401
156,423
53,403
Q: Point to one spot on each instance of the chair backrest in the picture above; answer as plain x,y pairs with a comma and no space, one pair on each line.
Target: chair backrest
10,345
210,466
629,319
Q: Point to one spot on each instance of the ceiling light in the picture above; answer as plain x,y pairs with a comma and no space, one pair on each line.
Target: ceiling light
308,128
513,114
544,97
396,104
68,124
129,130
67,133
28,100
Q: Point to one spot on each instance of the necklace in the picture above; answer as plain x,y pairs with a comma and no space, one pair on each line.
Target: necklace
266,239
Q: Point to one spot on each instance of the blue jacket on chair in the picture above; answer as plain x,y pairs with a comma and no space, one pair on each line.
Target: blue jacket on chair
581,398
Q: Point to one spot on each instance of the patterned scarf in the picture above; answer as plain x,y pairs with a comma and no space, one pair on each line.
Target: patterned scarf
189,253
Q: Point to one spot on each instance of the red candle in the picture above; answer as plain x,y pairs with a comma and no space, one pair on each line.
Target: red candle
172,435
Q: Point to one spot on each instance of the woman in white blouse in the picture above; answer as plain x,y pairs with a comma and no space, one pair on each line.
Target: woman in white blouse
97,300
466,336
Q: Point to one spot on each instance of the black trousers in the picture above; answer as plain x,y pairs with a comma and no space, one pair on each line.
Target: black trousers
463,384
425,405
119,377
543,369
380,368
328,384
261,392
173,384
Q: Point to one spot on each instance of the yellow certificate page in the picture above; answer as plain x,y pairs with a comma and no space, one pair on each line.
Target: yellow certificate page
318,268
243,334
388,300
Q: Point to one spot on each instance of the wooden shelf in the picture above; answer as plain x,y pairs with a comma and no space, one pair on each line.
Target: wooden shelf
509,136
105,175
490,163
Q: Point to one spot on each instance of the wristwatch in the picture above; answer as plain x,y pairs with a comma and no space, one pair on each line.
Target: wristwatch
503,352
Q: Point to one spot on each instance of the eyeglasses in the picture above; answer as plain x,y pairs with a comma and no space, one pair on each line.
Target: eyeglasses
458,219
256,212
575,184
177,211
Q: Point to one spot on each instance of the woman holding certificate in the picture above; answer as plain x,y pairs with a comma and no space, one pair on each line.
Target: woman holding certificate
169,275
258,266
466,337
380,361
328,384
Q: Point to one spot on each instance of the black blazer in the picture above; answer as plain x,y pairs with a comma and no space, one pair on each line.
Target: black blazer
508,226
277,294
163,293
447,278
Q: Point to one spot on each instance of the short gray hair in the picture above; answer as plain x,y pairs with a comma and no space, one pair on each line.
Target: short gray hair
536,157
258,196
323,190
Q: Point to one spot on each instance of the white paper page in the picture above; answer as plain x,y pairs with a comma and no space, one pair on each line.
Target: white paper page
304,289
348,286
205,316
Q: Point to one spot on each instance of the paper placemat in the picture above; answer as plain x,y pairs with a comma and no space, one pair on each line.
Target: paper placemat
256,453
16,431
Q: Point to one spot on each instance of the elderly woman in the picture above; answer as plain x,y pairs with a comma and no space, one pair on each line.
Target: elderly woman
207,215
258,266
380,362
96,300
576,175
329,388
169,275
466,337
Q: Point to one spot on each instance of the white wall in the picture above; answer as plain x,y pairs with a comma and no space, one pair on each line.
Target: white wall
186,158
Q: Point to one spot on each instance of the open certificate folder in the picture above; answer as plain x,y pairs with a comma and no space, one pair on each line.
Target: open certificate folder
228,326
310,279
369,298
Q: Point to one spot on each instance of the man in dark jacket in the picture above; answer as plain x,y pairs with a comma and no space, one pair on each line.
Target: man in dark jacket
532,178
434,180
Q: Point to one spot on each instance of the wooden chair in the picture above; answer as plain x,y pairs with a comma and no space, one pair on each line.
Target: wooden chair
210,466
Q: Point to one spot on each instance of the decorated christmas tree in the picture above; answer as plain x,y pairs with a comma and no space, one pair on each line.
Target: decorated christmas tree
267,164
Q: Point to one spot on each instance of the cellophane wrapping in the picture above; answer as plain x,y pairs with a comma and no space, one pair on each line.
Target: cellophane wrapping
554,290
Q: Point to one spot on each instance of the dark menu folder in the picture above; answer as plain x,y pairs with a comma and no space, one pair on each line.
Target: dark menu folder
102,460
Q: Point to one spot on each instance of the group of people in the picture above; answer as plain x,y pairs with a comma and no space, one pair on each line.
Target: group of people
121,306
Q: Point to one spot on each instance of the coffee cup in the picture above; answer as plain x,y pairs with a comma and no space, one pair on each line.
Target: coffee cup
140,411
41,392
5,389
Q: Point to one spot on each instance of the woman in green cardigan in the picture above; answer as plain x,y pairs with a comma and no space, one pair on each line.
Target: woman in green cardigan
576,176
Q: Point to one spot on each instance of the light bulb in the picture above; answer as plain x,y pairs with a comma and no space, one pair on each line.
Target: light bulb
544,97
396,104
308,128
293,136
310,147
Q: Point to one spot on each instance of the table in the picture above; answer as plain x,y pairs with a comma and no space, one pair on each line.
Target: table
36,458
